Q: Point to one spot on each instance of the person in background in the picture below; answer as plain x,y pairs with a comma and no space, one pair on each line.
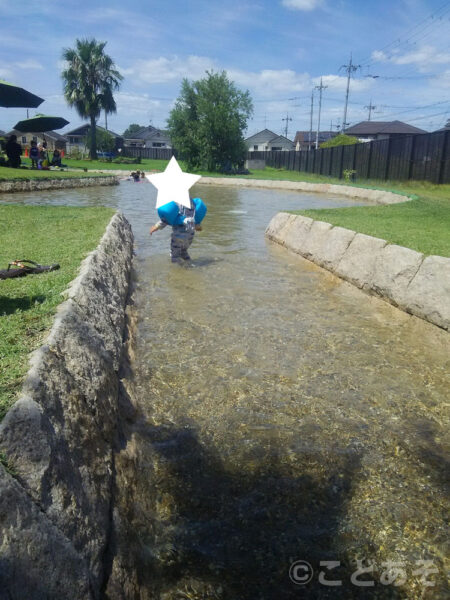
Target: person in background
56,160
34,154
13,151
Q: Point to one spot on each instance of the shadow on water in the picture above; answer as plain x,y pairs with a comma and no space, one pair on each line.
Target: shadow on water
9,306
209,532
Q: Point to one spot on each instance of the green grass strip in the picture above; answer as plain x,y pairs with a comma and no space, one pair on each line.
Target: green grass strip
8,174
421,224
47,235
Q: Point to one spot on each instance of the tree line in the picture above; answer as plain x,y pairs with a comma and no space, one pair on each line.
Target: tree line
206,125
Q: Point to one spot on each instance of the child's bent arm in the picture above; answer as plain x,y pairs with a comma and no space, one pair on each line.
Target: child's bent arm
157,226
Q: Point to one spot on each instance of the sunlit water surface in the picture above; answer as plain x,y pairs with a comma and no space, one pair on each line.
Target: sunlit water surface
289,415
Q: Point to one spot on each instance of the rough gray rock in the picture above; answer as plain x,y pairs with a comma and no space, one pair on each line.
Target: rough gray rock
334,245
357,265
37,562
296,232
25,185
376,196
395,267
60,435
428,294
403,277
276,225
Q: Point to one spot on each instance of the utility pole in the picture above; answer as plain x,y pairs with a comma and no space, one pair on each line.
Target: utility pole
287,119
350,68
370,108
311,120
320,88
106,120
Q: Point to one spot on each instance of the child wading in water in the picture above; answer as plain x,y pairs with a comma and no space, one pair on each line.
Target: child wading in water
182,235
177,209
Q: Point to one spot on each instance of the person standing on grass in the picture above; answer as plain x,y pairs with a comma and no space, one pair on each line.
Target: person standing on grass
13,151
34,154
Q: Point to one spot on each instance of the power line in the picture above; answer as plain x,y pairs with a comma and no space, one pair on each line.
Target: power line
399,42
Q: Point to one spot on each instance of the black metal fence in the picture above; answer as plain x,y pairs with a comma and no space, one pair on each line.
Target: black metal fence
421,157
155,153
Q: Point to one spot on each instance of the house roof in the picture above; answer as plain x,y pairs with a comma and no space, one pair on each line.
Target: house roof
375,127
148,133
83,130
303,136
280,139
262,136
52,135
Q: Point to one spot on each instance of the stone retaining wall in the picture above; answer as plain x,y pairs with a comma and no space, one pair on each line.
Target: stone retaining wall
377,196
415,283
29,185
56,506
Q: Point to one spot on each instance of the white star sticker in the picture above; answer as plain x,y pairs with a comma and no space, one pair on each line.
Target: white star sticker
173,185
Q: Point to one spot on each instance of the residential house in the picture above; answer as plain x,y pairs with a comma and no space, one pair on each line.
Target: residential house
306,140
268,140
76,139
53,139
381,130
149,137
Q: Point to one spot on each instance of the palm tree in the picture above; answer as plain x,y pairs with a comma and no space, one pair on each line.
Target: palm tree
89,81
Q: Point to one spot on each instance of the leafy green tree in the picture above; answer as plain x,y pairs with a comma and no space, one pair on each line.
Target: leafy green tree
207,123
105,141
133,128
340,140
90,79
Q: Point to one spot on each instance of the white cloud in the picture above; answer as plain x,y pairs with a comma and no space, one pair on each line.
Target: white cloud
305,5
424,57
269,82
5,73
163,70
29,63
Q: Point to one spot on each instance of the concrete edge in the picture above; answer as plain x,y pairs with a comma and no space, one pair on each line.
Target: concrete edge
414,283
29,185
376,196
59,436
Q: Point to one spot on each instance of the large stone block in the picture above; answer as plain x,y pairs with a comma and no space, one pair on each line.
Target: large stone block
102,285
315,239
276,226
296,232
358,262
428,294
37,561
335,243
60,435
395,267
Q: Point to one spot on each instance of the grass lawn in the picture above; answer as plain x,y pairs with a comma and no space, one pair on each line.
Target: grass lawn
146,164
27,304
8,174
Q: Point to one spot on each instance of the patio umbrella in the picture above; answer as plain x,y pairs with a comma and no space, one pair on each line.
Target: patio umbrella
40,124
15,96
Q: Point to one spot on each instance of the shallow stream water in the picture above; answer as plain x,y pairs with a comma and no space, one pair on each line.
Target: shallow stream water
289,416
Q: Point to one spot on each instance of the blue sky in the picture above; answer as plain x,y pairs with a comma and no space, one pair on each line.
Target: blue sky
277,49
